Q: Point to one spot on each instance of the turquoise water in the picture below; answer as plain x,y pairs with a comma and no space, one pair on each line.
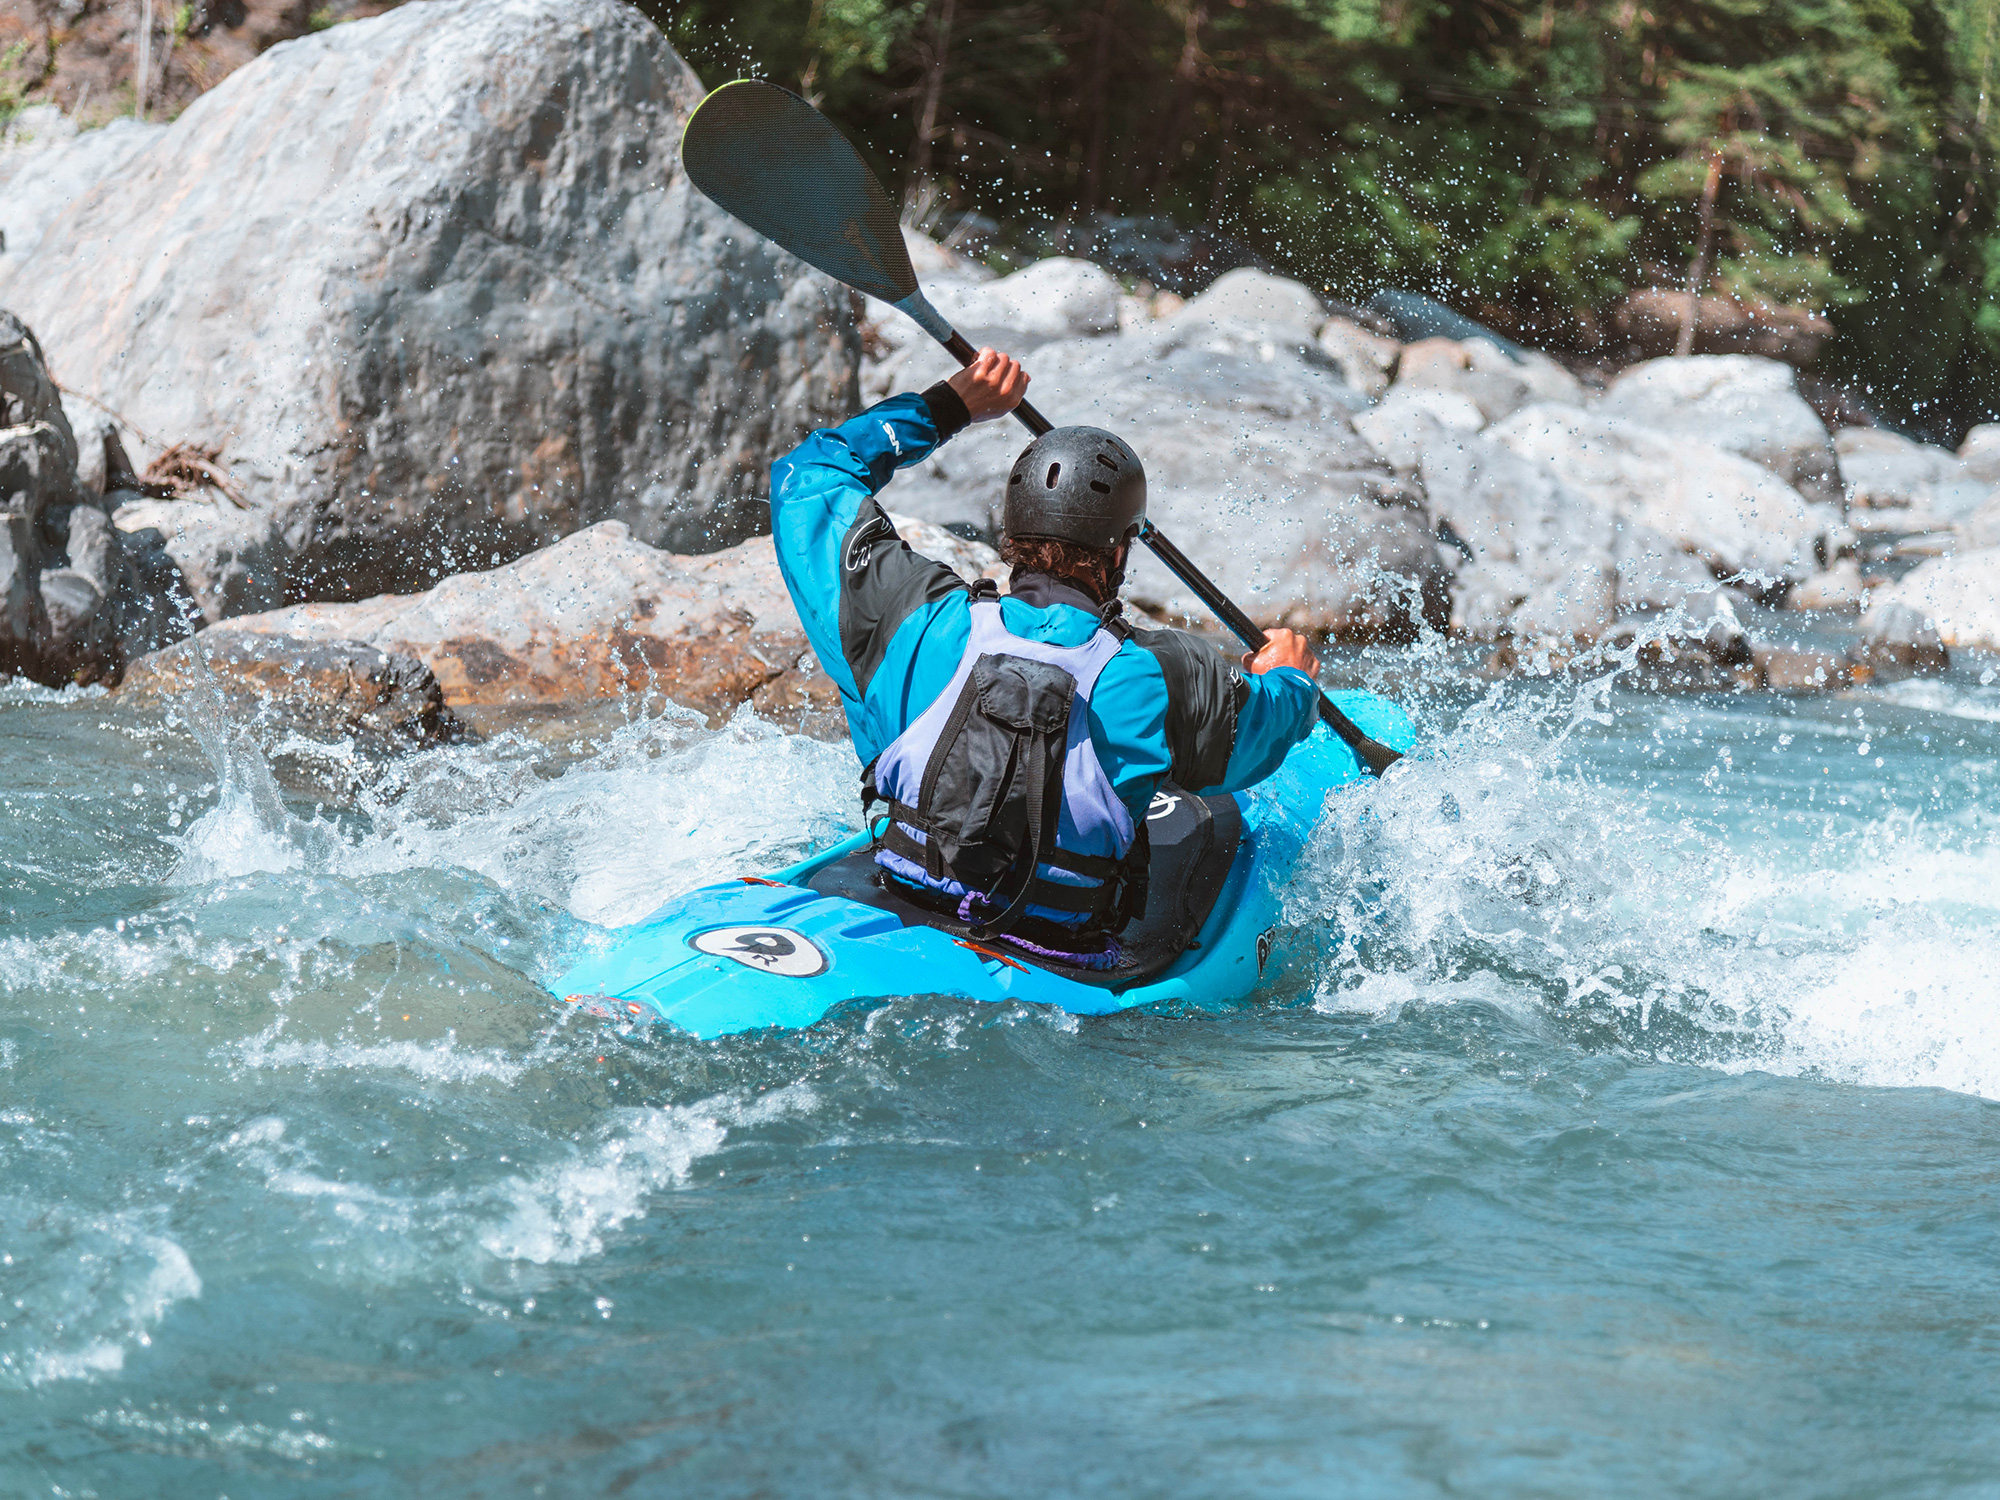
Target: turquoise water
1624,1125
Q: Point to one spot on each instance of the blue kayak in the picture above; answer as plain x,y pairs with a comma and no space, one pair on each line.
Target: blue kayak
785,949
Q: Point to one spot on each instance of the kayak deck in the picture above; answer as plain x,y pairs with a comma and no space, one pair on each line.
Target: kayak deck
783,951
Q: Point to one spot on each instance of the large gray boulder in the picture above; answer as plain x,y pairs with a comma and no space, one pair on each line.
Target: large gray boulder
46,165
437,283
1051,299
1734,514
1736,402
1253,467
1539,565
1957,597
1895,483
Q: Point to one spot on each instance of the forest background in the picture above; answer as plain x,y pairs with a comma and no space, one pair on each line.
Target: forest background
1530,164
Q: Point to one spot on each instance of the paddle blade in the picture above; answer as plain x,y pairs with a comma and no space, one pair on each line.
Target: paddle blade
778,164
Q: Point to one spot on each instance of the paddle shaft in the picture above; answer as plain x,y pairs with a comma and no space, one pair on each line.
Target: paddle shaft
1377,756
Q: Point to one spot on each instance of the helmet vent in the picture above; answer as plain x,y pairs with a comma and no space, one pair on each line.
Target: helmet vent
1109,463
1100,486
1055,472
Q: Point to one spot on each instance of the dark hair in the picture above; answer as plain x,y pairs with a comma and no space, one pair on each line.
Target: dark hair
1095,570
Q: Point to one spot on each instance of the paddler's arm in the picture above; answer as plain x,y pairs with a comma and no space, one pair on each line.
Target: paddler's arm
1278,710
1199,718
819,490
851,577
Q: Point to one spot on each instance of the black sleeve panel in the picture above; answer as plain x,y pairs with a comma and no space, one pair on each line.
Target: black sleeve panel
882,583
948,411
1204,692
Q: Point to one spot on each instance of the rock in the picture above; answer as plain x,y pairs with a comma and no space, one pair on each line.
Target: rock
1792,669
75,604
42,177
1365,359
1416,316
1253,466
1733,513
934,262
437,280
1980,452
1906,485
600,615
1652,319
155,606
1657,575
28,394
1734,402
323,690
1444,365
1840,587
1051,299
1948,602
1157,250
1410,418
1247,295
1541,568
1982,527
233,560
24,622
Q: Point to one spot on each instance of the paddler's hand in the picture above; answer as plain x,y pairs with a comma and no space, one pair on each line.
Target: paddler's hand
1283,648
991,386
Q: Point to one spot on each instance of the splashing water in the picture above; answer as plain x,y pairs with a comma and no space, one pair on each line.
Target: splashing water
1630,1061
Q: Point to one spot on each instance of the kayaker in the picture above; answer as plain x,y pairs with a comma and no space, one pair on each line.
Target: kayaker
1017,741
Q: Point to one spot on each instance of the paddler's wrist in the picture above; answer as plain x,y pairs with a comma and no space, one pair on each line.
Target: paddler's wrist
948,411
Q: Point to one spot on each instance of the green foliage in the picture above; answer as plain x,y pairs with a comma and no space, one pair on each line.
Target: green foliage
1528,161
12,87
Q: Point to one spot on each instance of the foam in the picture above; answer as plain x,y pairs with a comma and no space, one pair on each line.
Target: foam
1863,955
562,1213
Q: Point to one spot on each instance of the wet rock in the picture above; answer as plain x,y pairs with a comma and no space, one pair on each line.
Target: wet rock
1741,404
233,560
1410,417
1896,484
1415,316
1051,299
438,281
1247,295
28,394
934,262
1444,365
1254,468
1982,527
1949,602
1365,359
1899,640
1540,564
48,168
323,690
1980,452
1793,669
1735,514
1840,587
600,615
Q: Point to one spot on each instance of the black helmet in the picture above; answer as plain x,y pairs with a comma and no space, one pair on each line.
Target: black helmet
1076,484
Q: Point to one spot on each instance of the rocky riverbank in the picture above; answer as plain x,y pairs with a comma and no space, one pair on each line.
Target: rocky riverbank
492,435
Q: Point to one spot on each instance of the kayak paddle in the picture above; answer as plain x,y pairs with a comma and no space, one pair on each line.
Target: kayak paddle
771,159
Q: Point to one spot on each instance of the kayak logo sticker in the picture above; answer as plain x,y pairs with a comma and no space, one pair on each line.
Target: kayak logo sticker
1162,806
769,950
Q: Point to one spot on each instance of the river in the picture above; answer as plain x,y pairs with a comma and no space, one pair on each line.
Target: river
1624,1124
